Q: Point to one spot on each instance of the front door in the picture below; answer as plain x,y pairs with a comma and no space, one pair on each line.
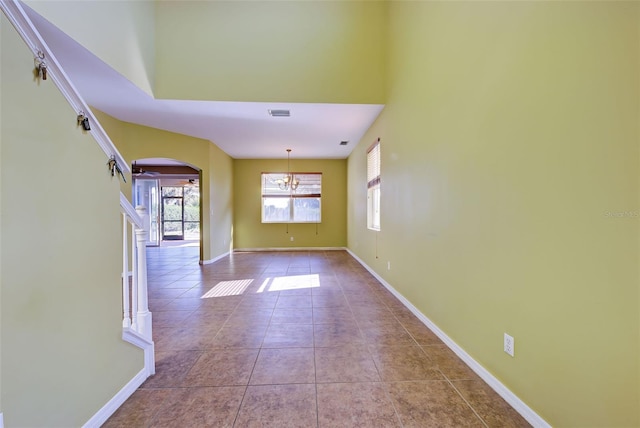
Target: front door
172,213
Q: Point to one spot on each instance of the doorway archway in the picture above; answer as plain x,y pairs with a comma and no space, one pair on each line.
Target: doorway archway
170,191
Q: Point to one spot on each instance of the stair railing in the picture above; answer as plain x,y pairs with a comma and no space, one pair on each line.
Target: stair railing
135,303
137,330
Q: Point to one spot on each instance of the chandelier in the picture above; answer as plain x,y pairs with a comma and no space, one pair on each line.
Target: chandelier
288,181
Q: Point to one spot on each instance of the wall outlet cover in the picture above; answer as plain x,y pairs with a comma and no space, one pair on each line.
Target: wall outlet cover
509,345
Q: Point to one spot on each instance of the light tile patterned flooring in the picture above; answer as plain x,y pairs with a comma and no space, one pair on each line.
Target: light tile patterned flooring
296,339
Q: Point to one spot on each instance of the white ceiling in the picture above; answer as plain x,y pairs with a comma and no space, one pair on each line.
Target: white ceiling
241,129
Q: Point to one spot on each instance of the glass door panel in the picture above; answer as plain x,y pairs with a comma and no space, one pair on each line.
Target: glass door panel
146,192
172,213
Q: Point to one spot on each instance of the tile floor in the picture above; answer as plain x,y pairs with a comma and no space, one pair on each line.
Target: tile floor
296,339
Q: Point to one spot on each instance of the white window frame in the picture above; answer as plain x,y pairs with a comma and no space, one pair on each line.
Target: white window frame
373,186
270,190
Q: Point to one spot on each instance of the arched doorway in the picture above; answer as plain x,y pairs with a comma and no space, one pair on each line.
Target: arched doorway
170,192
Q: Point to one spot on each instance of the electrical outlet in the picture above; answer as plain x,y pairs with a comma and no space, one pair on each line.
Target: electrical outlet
509,344
291,239
388,265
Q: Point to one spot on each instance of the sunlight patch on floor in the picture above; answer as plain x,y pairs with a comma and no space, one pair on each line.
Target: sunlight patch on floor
228,288
294,282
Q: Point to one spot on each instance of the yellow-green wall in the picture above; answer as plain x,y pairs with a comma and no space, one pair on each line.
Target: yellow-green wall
296,51
309,51
221,202
510,167
139,142
120,33
63,357
2,24
250,232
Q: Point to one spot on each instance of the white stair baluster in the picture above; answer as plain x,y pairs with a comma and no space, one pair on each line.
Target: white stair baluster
126,310
134,279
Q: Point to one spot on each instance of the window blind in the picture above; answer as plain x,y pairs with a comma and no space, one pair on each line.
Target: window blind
373,165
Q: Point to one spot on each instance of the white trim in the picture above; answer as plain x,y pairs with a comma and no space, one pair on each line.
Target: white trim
121,396
532,417
28,32
127,208
112,405
147,345
1,421
215,259
240,250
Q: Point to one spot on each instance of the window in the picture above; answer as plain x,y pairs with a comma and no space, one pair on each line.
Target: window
299,205
373,186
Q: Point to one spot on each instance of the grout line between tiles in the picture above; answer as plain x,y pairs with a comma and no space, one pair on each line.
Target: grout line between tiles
465,400
352,283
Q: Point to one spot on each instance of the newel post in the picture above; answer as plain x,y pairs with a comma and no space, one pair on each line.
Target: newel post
144,316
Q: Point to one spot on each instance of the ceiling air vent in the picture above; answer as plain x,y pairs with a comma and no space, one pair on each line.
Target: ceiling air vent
344,143
279,113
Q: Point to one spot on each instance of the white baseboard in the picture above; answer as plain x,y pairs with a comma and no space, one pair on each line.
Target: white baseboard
215,259
146,345
532,417
109,409
149,369
246,250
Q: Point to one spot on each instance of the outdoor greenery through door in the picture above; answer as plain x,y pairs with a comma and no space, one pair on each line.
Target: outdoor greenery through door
180,212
